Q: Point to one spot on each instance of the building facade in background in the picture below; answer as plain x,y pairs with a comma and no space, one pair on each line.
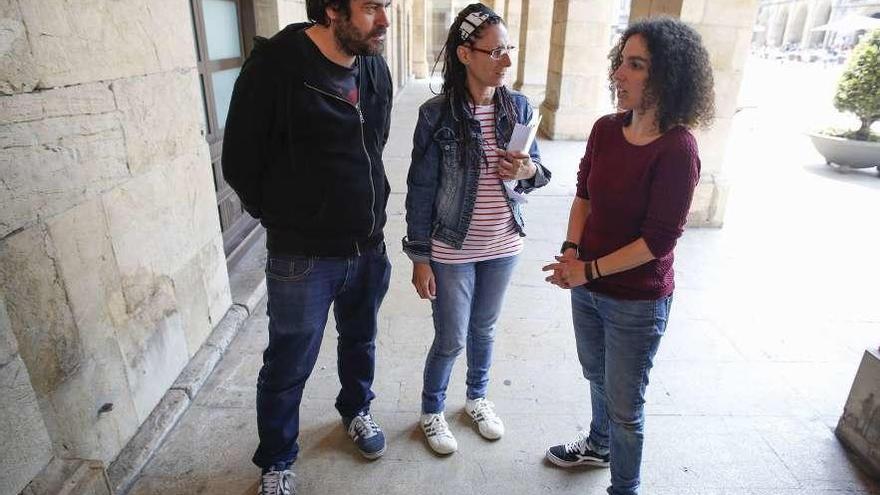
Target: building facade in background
799,24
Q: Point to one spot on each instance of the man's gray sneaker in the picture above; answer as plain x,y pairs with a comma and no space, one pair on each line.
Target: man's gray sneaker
274,482
366,434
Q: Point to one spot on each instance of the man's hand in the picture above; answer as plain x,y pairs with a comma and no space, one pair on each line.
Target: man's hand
568,272
423,281
515,166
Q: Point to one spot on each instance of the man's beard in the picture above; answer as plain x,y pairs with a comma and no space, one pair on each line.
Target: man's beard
353,42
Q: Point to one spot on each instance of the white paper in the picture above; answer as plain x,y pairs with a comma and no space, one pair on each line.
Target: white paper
523,135
521,141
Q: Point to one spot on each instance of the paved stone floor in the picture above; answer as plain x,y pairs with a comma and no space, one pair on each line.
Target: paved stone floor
771,316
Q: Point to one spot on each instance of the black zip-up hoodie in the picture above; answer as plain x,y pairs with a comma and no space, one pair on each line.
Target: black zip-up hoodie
301,157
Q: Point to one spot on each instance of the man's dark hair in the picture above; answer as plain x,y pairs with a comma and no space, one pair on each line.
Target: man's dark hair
316,10
680,78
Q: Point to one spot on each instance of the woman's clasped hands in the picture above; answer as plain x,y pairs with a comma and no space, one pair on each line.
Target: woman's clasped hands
568,271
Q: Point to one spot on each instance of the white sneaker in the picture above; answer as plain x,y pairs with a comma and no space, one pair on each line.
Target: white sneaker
437,432
482,412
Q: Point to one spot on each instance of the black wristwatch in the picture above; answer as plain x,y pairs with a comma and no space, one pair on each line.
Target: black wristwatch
568,245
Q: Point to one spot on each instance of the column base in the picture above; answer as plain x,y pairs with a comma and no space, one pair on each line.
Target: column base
709,203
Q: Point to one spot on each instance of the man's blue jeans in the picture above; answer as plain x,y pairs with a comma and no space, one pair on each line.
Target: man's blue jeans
467,306
300,290
616,342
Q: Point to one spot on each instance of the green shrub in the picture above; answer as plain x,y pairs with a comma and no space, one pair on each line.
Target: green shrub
859,88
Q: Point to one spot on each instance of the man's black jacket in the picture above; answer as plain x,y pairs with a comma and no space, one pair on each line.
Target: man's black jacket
302,159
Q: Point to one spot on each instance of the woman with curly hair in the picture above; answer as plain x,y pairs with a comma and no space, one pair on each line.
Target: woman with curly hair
463,217
634,190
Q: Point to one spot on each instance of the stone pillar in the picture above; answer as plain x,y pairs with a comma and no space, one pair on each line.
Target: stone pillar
290,11
496,5
266,21
577,82
649,8
534,50
419,39
726,27
513,21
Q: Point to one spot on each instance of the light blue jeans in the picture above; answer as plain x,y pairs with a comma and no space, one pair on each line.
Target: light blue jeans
467,306
616,343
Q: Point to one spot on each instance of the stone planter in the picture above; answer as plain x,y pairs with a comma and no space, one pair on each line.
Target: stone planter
847,152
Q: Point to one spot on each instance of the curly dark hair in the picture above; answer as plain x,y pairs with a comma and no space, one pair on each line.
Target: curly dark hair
680,78
316,10
455,73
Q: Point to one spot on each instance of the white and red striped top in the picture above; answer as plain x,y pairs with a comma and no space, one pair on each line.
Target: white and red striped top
491,233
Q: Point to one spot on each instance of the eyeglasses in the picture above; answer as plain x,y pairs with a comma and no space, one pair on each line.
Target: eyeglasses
497,53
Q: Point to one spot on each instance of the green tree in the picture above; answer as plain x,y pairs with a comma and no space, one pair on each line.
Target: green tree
859,88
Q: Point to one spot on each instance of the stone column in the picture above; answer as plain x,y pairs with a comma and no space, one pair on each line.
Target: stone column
290,11
513,21
649,8
577,80
419,39
726,27
534,50
497,6
266,22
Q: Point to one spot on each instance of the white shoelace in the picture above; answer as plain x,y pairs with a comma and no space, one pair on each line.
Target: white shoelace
437,426
483,411
579,445
276,483
363,426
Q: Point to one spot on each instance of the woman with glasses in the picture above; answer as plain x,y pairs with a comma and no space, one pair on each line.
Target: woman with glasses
464,223
634,190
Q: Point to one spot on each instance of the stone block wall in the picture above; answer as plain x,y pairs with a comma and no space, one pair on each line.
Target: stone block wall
26,444
112,270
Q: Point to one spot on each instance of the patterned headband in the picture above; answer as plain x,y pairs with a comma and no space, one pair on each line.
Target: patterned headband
471,23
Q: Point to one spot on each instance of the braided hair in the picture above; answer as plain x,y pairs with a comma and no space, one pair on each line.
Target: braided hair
455,72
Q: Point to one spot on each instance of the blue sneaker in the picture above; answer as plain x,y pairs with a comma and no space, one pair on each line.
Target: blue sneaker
366,434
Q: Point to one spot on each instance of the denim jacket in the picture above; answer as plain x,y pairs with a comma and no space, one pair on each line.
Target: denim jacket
441,191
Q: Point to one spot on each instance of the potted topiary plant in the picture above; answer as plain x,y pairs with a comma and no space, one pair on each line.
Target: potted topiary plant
858,92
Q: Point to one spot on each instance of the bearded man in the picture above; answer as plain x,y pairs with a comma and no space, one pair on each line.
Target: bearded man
308,120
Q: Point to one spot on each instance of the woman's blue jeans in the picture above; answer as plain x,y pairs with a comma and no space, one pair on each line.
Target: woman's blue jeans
616,343
467,306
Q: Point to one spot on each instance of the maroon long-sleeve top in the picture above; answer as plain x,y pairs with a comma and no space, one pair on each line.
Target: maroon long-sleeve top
636,191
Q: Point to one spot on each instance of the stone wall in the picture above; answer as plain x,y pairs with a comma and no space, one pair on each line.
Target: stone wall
112,271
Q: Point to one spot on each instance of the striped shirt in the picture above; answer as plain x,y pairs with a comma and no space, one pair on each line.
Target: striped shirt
491,233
